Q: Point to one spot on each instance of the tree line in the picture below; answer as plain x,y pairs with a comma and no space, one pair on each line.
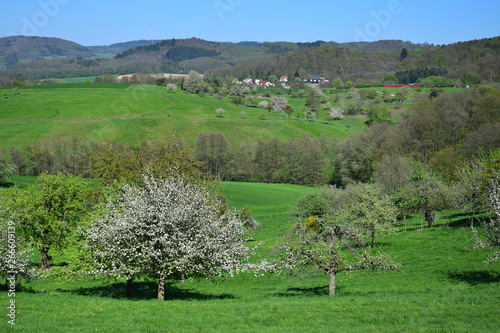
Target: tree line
302,160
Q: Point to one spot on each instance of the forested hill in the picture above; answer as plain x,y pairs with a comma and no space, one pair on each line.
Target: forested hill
43,59
480,58
116,48
23,49
357,62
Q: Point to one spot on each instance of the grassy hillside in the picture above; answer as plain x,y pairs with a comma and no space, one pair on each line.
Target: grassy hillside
131,113
443,286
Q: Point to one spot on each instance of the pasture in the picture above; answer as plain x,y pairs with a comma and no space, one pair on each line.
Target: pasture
130,113
443,286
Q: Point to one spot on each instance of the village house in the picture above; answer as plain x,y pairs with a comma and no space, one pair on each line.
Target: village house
317,79
263,83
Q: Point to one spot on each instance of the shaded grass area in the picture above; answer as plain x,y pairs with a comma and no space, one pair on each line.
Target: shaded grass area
443,286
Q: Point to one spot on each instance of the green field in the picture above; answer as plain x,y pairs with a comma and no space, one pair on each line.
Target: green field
443,286
131,113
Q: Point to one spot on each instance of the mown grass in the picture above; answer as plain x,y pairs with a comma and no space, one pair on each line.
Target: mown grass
129,113
443,286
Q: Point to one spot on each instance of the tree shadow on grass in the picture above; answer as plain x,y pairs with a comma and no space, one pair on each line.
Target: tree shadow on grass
314,291
474,277
145,290
465,222
6,184
19,288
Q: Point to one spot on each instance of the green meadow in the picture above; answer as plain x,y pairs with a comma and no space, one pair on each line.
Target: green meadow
130,113
443,286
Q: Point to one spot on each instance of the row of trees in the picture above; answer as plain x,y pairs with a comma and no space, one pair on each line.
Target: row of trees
299,161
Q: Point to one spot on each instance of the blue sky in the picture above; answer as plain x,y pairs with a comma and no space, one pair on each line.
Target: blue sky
103,22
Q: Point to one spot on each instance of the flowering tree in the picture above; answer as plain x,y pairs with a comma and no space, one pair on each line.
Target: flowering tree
15,259
220,112
491,227
329,246
263,104
169,227
279,103
336,113
310,115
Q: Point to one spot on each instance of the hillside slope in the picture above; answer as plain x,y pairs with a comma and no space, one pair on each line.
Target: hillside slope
481,57
176,56
131,113
23,49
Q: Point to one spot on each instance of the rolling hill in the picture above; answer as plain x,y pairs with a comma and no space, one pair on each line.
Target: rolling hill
38,58
15,50
131,113
480,57
173,56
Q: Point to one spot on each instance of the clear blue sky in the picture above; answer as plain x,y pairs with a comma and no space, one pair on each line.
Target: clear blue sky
103,22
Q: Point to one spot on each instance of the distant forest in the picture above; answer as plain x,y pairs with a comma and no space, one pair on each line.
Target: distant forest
362,63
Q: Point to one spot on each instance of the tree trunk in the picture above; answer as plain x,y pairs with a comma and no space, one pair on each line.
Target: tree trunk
373,238
161,287
429,217
332,286
44,259
130,289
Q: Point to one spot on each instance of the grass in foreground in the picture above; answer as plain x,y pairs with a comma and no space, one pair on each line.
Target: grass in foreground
443,286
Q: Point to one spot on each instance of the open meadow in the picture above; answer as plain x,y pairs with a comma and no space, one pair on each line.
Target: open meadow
443,286
130,113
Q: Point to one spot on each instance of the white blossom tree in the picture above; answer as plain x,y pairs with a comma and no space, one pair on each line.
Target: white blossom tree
15,257
220,112
310,115
279,103
491,227
169,228
263,104
367,207
336,113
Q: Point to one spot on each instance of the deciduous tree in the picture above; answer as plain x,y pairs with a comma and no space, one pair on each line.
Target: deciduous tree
6,168
491,226
331,246
279,103
365,206
213,149
426,196
169,227
15,255
48,212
